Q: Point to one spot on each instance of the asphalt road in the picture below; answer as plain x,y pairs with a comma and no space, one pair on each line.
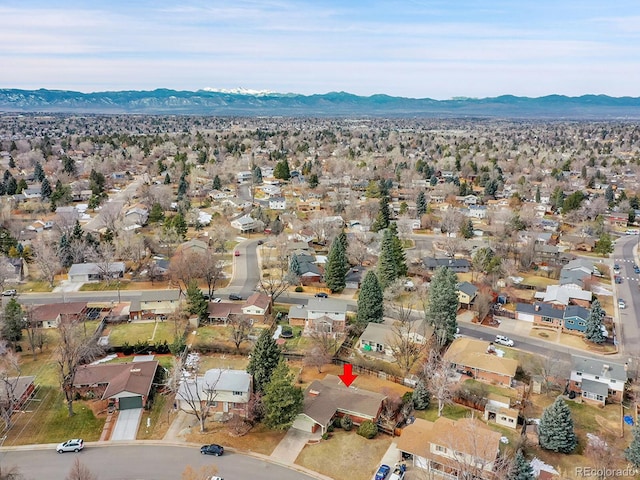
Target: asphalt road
142,462
629,291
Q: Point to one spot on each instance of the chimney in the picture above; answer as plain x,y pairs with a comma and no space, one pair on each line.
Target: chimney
537,307
314,393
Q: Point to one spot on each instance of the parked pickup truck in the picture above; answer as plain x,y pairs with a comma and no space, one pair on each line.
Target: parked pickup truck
398,472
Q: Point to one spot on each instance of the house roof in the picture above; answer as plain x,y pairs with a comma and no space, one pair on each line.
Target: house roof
49,312
94,268
473,353
323,398
595,366
135,377
467,435
564,293
468,288
223,309
377,333
431,262
214,381
593,386
17,387
576,311
257,299
326,305
539,308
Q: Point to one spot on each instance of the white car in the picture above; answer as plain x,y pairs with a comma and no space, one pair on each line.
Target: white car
216,300
73,445
622,304
502,340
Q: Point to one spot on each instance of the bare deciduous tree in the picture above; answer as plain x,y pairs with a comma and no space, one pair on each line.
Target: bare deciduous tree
75,347
212,270
197,391
10,473
47,258
275,278
240,328
104,257
79,471
437,374
9,382
203,473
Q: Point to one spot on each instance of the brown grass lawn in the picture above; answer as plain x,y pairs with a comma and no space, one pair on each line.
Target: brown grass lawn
603,422
131,333
236,362
259,439
345,455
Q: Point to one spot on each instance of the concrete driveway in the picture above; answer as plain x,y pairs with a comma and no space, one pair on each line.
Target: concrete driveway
126,427
292,444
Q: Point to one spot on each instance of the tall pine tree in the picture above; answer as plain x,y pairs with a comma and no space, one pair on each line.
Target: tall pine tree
632,452
443,305
337,265
521,469
264,359
282,399
421,204
370,305
398,251
387,260
13,322
45,189
593,328
556,432
384,215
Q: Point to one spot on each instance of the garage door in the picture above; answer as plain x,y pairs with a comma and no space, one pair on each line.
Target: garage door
130,402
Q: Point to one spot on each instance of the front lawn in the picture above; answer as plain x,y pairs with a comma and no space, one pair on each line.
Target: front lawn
45,420
259,439
345,455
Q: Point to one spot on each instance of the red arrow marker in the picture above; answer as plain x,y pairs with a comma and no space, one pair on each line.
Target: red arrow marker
347,377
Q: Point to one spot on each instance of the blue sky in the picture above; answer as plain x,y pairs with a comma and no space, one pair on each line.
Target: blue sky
412,48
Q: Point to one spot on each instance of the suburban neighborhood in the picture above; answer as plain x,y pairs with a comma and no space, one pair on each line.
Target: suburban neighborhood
402,298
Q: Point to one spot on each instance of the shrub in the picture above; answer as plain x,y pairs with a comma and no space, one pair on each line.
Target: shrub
336,422
346,423
299,289
325,436
368,429
330,428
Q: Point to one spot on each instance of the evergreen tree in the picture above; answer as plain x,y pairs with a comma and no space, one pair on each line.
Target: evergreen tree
264,359
22,185
12,162
387,260
556,432
421,396
398,251
443,305
632,452
294,266
421,205
96,182
38,172
217,183
593,329
370,304
282,170
538,194
167,179
196,304
521,469
45,189
604,244
609,195
466,229
313,180
11,185
256,175
64,250
282,400
156,214
183,186
13,322
337,266
68,165
384,215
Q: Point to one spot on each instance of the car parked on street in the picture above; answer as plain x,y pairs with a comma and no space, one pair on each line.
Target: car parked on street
236,253
321,295
216,300
212,449
73,445
235,296
10,293
502,340
622,304
616,268
618,279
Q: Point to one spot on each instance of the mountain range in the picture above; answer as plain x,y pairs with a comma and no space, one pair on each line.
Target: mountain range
335,104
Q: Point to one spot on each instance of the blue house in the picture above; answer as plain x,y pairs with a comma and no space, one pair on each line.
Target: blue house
575,318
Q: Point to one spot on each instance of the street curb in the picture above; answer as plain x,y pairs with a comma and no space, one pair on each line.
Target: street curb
164,443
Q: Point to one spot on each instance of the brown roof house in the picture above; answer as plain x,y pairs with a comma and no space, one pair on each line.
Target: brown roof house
480,359
128,384
452,449
49,316
328,398
257,306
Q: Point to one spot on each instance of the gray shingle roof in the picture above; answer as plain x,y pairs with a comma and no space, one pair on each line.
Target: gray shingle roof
594,366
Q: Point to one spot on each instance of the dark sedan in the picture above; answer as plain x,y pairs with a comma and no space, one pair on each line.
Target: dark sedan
212,449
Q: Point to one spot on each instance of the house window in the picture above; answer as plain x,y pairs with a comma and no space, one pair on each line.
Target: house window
440,448
581,324
569,322
212,404
237,393
579,374
547,319
597,377
612,381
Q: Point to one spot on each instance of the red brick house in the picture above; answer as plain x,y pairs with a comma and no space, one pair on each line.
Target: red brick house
479,359
329,398
15,391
